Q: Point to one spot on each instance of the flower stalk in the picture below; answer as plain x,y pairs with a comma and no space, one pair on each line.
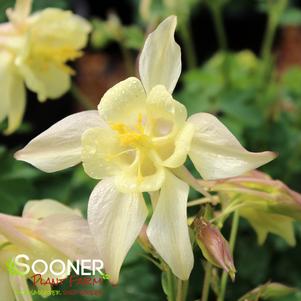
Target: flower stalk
190,55
207,282
216,11
233,235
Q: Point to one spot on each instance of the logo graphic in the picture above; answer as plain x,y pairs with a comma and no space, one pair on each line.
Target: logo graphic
84,272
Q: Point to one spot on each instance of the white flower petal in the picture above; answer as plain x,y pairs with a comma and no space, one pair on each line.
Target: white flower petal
20,232
123,102
115,221
160,60
44,208
59,147
217,154
10,228
6,292
69,234
168,229
61,227
19,284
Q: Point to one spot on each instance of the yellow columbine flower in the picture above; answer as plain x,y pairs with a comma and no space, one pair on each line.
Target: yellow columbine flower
47,230
34,51
134,143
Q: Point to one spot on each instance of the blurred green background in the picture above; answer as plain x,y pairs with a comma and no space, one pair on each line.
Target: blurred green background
248,76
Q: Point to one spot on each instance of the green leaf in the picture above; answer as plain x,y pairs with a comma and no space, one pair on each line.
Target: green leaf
268,291
291,16
133,37
265,222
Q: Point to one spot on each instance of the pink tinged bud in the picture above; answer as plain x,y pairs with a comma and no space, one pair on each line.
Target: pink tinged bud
214,246
273,195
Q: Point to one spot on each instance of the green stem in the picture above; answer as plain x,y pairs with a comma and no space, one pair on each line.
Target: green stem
184,290
81,98
213,201
171,286
190,55
275,11
268,37
176,288
217,16
179,290
233,234
207,282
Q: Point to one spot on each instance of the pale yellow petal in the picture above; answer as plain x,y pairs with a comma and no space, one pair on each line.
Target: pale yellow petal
144,175
53,37
59,28
160,60
6,292
168,229
217,154
59,147
13,94
161,106
115,221
123,102
102,154
6,75
175,151
171,134
49,81
21,11
17,104
46,207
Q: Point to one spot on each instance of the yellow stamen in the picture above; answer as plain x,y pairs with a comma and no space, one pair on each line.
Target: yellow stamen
132,136
58,56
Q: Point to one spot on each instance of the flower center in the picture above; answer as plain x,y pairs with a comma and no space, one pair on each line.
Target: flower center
133,136
56,55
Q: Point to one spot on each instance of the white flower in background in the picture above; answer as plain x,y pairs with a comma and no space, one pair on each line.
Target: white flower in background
135,141
34,51
47,230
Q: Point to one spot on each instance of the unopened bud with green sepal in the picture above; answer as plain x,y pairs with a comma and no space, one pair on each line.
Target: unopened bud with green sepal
214,246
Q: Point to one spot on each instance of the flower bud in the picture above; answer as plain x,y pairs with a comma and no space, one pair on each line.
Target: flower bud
269,205
214,246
